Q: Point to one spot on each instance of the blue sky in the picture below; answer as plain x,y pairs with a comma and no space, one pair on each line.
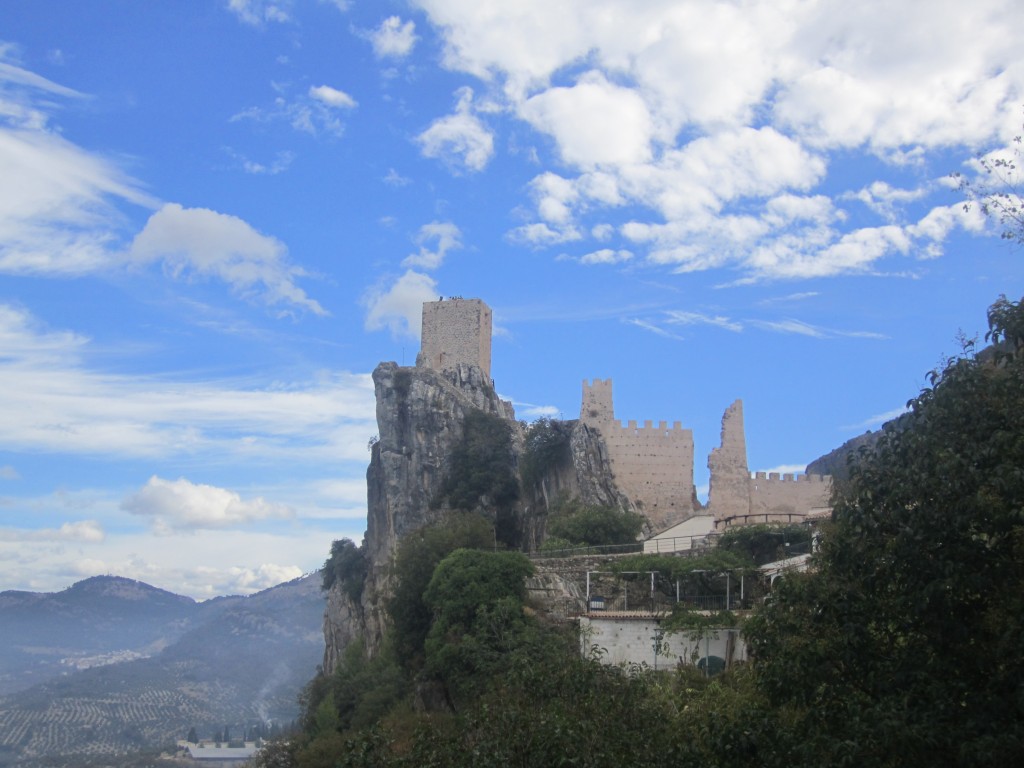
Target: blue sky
216,217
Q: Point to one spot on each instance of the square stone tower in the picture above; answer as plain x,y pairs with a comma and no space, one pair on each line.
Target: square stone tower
456,331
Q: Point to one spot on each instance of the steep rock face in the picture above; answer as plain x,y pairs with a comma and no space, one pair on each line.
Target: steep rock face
582,470
595,483
420,418
836,462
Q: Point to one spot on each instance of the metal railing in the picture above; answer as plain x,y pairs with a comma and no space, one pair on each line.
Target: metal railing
604,549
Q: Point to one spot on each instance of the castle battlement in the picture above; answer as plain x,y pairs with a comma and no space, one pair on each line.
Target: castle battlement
663,430
775,477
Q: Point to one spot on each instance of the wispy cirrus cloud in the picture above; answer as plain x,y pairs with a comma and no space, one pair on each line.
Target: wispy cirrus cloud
317,112
876,421
650,327
57,402
675,318
678,317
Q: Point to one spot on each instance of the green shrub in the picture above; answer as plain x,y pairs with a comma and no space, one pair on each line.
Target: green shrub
590,525
346,566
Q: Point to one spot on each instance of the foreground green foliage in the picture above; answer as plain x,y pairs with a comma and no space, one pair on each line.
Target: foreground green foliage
418,555
905,647
476,599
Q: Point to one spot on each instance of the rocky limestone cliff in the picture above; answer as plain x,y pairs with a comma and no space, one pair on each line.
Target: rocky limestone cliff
582,470
421,417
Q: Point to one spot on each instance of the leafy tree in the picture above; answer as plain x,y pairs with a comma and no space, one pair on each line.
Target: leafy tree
545,445
481,465
592,525
904,648
767,543
417,556
477,603
346,566
193,737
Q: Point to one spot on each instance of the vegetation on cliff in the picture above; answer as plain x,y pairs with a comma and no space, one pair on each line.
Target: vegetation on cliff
571,523
346,567
545,446
482,473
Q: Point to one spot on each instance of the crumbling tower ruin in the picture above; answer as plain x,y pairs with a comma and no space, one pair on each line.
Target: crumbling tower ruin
456,332
729,491
737,498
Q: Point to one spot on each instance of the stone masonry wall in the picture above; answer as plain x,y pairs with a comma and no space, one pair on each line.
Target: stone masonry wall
773,494
456,332
653,465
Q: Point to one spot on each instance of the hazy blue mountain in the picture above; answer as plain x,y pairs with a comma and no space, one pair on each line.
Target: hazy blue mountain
47,634
232,661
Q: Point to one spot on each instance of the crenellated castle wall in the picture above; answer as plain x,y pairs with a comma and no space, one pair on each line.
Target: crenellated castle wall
652,464
787,494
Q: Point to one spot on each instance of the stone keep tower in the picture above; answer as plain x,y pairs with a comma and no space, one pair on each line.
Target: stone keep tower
456,332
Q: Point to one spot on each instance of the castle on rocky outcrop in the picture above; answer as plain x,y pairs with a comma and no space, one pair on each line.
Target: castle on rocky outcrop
652,464
425,415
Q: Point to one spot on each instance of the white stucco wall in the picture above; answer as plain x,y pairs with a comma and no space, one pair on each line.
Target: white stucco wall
630,640
682,536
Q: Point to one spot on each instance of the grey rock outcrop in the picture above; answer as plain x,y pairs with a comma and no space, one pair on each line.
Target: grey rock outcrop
420,418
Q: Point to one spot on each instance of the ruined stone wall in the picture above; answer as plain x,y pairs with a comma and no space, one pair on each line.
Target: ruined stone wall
456,332
652,465
787,494
738,498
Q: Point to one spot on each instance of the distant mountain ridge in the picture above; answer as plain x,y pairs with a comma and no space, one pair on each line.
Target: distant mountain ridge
110,665
40,632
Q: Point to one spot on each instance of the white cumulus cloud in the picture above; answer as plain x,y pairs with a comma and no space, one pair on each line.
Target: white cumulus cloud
398,306
212,244
460,139
445,237
594,122
181,504
85,531
393,38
